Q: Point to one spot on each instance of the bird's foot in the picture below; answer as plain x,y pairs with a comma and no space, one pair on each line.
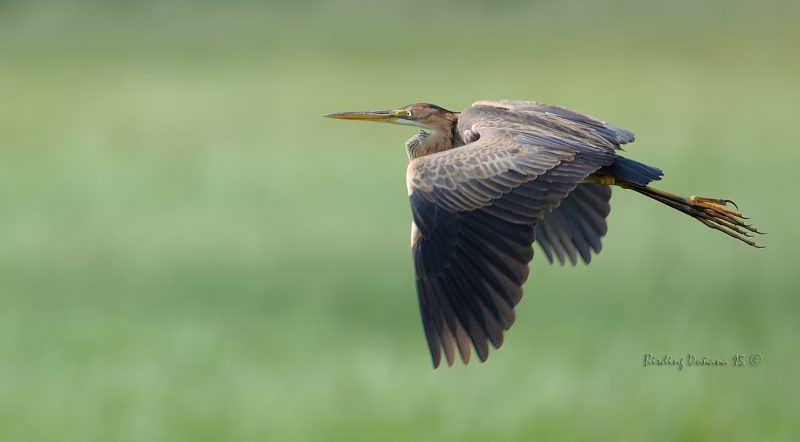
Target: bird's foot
714,213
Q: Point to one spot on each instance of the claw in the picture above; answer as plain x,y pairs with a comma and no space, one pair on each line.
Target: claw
731,203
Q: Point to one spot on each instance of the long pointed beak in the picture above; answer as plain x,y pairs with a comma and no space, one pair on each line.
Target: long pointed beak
383,116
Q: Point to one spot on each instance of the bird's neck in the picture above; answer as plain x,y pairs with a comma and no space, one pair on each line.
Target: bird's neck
425,143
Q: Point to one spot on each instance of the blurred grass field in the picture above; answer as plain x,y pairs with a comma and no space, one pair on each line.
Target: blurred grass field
189,252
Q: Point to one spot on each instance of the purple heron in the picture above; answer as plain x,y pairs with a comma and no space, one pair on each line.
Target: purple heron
488,182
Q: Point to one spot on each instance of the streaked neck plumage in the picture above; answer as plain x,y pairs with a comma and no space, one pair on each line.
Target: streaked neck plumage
435,139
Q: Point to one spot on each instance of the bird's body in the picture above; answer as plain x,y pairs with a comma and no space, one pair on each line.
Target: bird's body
488,182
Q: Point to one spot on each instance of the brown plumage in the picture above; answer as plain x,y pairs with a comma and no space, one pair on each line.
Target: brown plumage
488,182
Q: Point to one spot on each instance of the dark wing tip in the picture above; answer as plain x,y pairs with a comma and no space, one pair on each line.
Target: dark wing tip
470,268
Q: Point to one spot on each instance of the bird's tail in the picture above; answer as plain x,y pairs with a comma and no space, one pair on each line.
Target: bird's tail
713,212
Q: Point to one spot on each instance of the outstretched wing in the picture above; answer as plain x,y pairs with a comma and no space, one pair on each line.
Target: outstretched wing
474,209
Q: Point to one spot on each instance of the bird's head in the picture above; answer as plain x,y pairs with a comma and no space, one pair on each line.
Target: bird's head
424,115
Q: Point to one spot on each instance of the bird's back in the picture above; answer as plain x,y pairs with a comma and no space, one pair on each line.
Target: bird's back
542,119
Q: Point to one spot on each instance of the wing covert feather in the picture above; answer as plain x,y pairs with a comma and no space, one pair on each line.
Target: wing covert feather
537,117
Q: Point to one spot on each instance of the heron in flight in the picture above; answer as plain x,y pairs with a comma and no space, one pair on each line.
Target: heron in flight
488,182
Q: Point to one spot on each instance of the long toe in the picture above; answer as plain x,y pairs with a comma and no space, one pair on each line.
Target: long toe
716,204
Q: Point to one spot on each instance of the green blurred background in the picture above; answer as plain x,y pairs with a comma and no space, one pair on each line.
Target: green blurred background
189,252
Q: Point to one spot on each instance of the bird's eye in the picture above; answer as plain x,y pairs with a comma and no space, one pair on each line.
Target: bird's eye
408,114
